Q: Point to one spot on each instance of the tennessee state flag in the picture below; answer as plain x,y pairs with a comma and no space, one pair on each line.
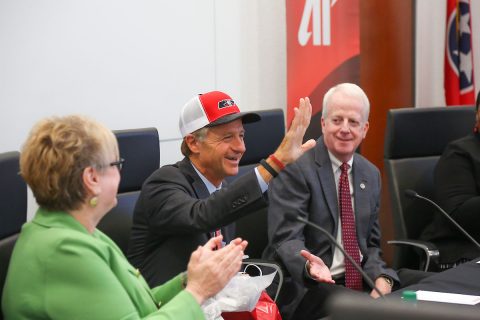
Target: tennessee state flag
459,81
323,49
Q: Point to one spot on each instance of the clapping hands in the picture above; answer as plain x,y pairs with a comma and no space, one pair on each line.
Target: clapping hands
209,270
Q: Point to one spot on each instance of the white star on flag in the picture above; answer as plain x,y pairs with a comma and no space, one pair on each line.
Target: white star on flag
464,20
466,65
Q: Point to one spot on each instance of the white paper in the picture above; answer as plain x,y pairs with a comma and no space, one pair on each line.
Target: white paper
447,297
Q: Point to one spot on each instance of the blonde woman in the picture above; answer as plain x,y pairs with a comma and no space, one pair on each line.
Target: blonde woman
62,267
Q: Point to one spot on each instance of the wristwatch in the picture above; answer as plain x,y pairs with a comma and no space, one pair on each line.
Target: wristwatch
388,280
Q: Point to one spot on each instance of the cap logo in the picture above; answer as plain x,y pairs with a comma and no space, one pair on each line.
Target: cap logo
225,103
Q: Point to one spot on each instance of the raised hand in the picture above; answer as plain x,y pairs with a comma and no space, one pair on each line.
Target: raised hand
291,147
317,268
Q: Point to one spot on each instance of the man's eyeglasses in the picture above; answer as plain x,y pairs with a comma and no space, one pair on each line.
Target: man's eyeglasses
118,164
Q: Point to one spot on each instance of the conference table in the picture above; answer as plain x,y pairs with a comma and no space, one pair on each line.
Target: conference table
464,279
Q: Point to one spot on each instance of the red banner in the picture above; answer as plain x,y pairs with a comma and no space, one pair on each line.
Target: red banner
323,48
459,81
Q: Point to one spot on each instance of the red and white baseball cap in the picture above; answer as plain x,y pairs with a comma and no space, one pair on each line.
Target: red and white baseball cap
211,109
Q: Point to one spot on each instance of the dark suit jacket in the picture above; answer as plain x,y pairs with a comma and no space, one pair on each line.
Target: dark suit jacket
307,188
457,182
175,213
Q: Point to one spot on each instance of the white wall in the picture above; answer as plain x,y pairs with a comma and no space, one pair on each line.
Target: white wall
128,64
430,48
133,64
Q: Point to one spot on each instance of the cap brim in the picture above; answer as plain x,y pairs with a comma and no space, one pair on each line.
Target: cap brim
247,117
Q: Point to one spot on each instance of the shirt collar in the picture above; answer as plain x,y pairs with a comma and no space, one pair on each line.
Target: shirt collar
59,219
337,163
210,186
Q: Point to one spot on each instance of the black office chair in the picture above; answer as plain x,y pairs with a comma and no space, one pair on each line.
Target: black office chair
141,150
261,139
414,140
13,210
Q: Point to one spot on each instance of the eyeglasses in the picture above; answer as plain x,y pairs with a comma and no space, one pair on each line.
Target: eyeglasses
118,164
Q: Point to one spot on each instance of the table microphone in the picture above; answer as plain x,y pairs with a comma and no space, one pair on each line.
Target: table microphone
413,194
293,217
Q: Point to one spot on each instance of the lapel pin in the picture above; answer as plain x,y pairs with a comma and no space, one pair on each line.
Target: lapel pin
362,185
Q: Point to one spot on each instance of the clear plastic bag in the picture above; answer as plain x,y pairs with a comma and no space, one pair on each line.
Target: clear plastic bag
240,294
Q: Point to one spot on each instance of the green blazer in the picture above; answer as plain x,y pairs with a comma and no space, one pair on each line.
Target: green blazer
60,271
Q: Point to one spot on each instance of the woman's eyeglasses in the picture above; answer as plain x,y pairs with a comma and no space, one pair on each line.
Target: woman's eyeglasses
118,164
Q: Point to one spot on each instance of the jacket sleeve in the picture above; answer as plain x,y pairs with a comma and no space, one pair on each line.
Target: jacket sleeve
456,179
288,192
171,206
374,265
82,281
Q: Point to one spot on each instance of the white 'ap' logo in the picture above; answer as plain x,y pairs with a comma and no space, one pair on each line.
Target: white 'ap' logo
323,32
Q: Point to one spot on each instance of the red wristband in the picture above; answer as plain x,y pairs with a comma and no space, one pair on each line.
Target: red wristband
277,162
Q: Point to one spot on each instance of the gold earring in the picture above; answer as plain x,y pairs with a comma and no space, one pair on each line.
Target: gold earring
93,202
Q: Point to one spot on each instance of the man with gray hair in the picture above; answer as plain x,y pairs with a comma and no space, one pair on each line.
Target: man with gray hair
334,187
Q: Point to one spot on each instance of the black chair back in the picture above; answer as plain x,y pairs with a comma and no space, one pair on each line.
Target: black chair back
261,139
13,195
414,141
141,150
13,210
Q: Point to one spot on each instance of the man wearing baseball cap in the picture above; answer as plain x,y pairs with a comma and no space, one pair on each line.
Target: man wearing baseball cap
182,205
